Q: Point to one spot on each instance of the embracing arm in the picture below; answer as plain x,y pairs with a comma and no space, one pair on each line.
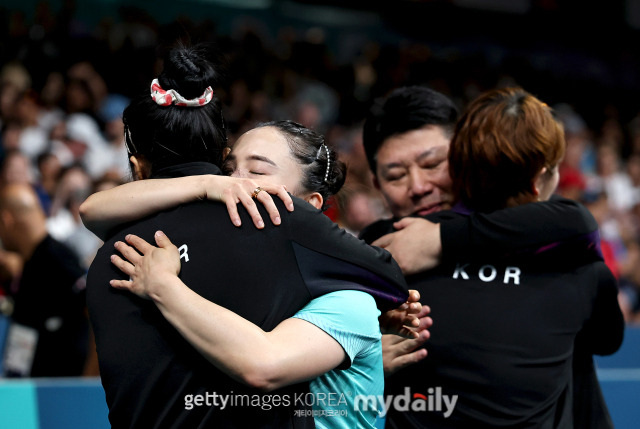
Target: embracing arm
104,210
519,229
328,256
420,245
294,351
134,200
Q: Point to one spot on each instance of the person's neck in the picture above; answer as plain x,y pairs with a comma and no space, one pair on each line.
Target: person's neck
193,168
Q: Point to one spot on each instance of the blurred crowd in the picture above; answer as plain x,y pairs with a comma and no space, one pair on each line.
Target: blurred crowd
63,87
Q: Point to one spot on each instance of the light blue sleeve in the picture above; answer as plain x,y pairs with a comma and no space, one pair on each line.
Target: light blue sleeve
348,316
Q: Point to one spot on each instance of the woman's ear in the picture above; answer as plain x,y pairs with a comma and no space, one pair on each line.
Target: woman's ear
139,167
315,199
225,153
539,181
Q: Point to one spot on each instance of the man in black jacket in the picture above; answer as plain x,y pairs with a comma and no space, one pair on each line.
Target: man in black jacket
49,334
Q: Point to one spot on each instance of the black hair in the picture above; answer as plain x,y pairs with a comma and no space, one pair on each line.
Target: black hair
313,154
406,109
171,135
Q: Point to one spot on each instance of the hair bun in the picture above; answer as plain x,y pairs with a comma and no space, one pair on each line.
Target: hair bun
337,175
189,70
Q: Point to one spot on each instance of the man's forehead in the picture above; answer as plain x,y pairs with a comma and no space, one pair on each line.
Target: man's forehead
415,147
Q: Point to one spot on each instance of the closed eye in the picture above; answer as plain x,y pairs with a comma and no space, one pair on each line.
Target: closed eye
431,165
394,176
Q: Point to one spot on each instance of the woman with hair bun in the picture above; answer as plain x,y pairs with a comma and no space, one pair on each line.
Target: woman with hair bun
324,336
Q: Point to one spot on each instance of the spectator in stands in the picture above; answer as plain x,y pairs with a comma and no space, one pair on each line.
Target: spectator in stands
49,332
49,170
359,207
613,178
16,168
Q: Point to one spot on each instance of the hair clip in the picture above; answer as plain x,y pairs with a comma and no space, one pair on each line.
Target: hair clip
326,148
166,148
128,141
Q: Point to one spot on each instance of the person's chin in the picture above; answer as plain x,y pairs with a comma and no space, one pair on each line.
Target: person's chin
432,208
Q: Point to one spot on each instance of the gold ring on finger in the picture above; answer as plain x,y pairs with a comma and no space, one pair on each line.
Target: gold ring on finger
256,192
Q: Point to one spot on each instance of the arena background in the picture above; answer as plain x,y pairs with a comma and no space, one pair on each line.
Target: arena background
331,59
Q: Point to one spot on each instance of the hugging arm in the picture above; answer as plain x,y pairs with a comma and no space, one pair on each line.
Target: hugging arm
521,229
104,210
420,245
328,256
294,351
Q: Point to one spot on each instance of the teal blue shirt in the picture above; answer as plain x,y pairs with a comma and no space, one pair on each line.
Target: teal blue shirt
351,318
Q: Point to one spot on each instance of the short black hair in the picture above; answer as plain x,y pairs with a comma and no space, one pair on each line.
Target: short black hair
171,135
405,109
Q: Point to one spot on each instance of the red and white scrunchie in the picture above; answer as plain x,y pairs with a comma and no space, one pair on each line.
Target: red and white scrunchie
168,97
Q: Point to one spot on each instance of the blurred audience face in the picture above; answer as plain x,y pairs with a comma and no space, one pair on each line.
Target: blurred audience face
78,96
362,208
53,90
576,144
599,208
608,160
16,169
412,172
22,220
9,96
633,169
11,137
27,110
308,114
50,169
263,153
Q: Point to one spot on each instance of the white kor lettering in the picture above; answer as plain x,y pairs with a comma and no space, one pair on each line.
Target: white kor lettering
514,273
491,276
183,252
460,272
488,273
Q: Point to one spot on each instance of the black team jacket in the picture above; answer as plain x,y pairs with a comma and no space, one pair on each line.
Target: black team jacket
520,303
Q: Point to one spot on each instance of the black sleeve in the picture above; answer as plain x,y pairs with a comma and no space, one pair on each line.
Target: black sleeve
604,330
589,407
521,229
329,259
376,230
